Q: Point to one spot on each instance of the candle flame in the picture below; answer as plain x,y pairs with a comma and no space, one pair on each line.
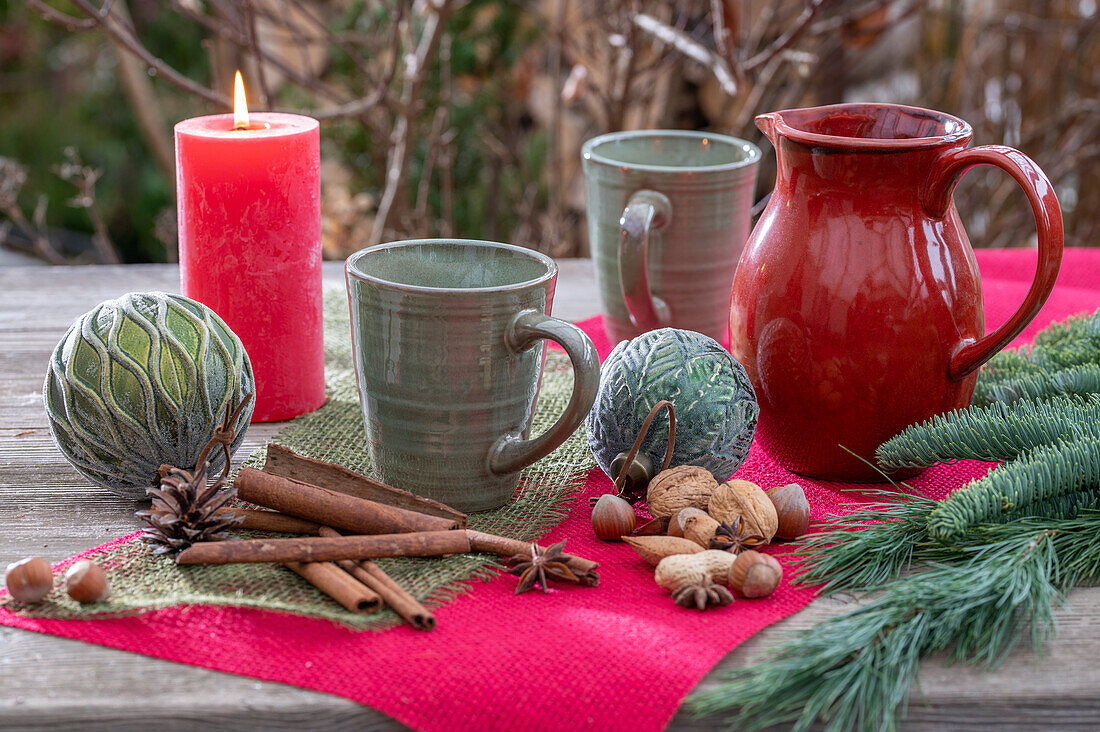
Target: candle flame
240,106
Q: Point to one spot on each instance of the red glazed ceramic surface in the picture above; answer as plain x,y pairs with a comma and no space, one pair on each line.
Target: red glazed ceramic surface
857,304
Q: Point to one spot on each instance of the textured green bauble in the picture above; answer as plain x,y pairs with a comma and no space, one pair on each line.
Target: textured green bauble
716,408
143,381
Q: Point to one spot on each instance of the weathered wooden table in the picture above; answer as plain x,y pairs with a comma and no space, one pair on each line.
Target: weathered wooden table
47,509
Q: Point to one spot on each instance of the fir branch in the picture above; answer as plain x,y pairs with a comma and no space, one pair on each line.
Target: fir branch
867,549
995,555
1059,347
855,670
1078,332
994,432
1080,379
1005,365
1056,481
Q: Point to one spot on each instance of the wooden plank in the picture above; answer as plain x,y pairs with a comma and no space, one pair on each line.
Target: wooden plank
46,508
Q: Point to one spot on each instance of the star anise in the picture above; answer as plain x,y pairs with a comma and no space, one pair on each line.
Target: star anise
543,564
731,537
702,595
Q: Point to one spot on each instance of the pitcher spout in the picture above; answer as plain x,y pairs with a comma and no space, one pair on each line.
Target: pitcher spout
767,123
864,127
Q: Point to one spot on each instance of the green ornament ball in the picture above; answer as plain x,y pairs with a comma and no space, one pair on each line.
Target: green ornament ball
140,382
716,407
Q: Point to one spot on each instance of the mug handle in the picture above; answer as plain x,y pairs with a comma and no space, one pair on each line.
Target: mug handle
646,211
948,169
512,452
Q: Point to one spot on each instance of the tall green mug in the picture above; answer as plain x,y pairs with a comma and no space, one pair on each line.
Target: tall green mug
448,337
668,215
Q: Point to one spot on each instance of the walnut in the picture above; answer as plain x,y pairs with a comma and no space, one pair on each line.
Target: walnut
681,487
741,498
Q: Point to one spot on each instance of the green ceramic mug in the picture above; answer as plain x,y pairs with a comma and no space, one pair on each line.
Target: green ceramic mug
668,215
448,340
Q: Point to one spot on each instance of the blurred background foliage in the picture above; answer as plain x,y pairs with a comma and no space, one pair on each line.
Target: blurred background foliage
451,117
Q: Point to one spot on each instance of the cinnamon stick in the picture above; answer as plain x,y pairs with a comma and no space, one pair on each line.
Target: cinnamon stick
324,548
354,595
271,521
329,508
393,594
284,462
505,547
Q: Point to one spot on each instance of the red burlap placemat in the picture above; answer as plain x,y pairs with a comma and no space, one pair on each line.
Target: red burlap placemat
620,656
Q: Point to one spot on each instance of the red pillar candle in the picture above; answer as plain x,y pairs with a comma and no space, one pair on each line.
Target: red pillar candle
250,246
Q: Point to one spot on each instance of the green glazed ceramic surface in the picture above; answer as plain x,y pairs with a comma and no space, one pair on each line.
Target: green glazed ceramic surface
448,351
142,381
668,215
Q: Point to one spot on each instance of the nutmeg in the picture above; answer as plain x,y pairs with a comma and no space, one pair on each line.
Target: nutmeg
612,517
792,510
700,528
85,582
676,521
754,574
745,499
680,487
655,548
29,580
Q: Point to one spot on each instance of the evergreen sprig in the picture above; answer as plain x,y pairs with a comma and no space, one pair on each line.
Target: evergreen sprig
866,549
1063,359
855,670
1082,379
1056,481
994,432
990,561
1051,449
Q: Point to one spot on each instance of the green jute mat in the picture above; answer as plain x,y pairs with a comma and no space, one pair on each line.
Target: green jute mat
140,581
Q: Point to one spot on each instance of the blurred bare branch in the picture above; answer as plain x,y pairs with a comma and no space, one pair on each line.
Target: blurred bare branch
445,115
84,177
13,177
788,37
121,33
417,67
690,48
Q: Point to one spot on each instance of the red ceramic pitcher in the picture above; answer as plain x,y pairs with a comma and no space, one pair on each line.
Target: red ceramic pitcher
857,303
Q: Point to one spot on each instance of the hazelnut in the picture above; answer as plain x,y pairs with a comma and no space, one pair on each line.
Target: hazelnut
29,580
745,499
792,509
612,517
676,522
754,574
680,487
85,582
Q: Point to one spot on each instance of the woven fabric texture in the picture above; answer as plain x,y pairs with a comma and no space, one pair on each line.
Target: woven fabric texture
619,656
140,581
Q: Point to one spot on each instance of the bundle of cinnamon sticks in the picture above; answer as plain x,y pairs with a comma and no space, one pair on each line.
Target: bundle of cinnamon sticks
346,520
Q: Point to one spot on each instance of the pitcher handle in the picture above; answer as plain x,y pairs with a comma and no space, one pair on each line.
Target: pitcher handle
645,212
949,168
512,452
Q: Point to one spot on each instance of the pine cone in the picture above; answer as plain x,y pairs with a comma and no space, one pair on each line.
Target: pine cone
185,511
